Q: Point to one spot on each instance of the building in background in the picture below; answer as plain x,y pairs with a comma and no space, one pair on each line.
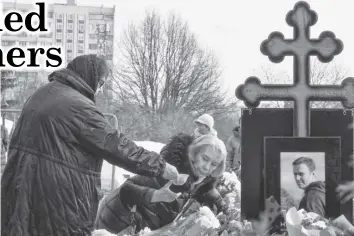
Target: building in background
77,29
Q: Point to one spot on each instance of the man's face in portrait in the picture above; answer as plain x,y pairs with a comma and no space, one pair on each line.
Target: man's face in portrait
303,176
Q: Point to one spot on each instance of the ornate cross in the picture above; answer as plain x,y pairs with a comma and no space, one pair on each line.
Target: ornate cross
301,92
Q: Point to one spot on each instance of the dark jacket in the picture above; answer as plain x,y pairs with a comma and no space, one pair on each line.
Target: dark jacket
314,199
51,181
114,214
4,139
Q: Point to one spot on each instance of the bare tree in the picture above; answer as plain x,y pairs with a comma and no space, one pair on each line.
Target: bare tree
162,68
320,73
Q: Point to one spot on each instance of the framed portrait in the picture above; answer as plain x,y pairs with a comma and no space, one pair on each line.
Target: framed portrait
303,173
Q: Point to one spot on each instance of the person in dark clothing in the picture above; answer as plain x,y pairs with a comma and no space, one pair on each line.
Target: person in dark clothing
203,159
314,199
4,144
345,191
233,147
50,185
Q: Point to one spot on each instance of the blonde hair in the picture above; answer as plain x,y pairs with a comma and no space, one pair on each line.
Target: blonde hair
216,144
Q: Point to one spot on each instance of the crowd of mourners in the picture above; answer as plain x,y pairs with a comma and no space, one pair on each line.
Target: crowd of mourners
50,184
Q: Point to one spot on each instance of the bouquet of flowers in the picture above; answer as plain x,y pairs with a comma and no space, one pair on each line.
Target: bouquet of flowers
302,223
200,220
229,188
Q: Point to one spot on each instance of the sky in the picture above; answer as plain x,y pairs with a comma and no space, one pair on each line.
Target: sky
234,29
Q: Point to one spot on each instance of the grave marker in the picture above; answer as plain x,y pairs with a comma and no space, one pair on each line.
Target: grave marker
301,47
301,92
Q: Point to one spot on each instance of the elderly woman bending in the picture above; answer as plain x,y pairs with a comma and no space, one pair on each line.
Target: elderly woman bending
155,201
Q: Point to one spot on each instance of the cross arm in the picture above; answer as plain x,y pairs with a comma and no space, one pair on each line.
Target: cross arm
252,92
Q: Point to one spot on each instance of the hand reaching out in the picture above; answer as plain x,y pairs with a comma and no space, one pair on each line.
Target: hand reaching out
345,192
164,194
182,179
171,173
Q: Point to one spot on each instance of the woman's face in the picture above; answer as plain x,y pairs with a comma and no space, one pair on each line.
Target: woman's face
101,82
202,128
206,161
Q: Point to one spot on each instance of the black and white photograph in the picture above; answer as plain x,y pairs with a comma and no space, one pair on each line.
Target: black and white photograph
175,117
302,178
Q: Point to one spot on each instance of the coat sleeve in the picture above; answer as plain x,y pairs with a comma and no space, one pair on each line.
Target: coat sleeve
97,137
236,159
138,190
212,198
208,195
230,154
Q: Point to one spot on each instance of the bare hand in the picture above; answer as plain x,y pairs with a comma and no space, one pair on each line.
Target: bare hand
182,179
345,192
170,173
164,194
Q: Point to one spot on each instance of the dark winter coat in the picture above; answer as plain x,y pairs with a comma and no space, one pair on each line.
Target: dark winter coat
115,214
51,181
314,199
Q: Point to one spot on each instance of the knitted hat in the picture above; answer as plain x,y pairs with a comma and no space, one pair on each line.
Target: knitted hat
206,119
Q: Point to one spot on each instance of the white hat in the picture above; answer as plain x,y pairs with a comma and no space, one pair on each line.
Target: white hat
206,119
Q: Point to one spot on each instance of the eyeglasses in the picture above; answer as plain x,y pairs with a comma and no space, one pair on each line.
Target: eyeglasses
101,83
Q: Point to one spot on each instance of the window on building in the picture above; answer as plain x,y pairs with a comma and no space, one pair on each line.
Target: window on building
70,36
50,14
70,26
80,47
59,30
109,28
58,41
92,28
108,17
80,51
96,17
59,20
70,17
102,28
80,41
80,37
59,35
22,74
81,22
81,28
92,46
7,43
93,36
70,46
59,26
